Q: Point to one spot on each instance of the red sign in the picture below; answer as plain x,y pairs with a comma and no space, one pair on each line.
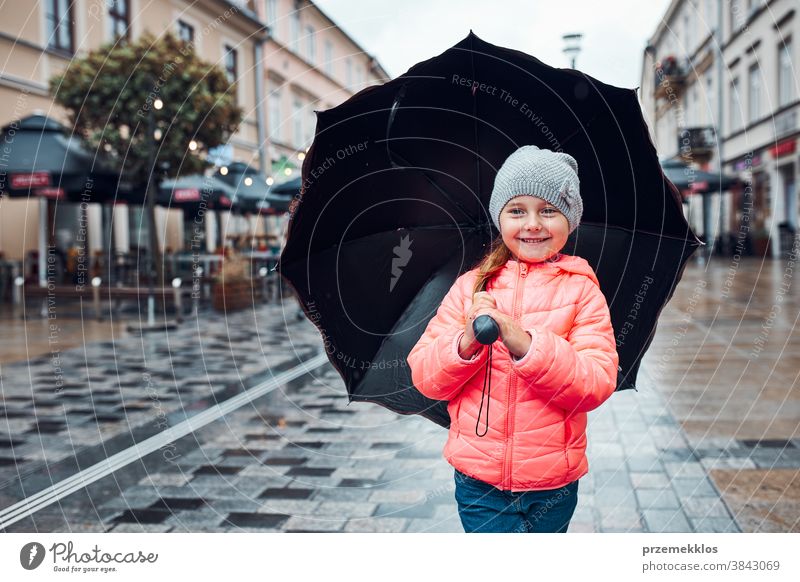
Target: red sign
186,195
31,180
783,148
53,193
225,201
697,186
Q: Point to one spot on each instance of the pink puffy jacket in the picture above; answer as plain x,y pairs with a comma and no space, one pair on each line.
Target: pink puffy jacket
536,435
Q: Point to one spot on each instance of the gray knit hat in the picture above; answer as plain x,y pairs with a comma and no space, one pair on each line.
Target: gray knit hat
546,174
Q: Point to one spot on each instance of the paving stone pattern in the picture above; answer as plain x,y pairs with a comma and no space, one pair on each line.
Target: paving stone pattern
300,459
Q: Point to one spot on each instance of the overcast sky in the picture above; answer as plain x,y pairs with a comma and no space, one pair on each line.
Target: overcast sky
401,33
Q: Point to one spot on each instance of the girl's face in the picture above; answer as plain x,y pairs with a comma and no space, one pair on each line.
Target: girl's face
528,219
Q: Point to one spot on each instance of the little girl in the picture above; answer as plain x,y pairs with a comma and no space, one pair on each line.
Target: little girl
555,359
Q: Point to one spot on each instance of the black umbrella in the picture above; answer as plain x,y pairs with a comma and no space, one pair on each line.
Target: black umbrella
40,158
251,193
195,192
288,188
396,187
281,196
694,181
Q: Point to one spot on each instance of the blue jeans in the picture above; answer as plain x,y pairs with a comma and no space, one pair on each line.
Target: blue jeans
484,508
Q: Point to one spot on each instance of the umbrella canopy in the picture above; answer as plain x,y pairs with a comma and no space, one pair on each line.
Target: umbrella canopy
252,195
288,188
195,192
42,159
396,188
281,196
696,181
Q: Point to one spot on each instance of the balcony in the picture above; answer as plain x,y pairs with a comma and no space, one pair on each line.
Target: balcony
697,142
670,77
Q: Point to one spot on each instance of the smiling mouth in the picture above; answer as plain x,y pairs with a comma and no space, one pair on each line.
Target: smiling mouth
534,240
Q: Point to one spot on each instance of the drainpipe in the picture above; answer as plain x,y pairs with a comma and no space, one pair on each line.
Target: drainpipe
260,123
44,224
720,119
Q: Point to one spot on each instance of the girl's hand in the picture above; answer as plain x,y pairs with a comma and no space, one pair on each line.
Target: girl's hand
516,339
482,304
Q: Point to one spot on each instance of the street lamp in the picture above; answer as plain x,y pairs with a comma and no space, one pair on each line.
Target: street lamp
153,135
176,289
96,282
573,46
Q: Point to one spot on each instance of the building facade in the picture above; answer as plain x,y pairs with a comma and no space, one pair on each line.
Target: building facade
731,105
310,64
287,58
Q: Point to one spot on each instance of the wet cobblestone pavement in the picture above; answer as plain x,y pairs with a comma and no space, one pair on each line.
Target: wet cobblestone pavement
676,456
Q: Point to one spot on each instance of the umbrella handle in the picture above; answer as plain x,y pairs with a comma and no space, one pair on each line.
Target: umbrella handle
485,329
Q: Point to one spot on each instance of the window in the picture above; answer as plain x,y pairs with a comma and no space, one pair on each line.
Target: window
673,123
311,45
295,30
735,120
59,25
754,94
231,63
297,117
118,14
272,12
329,57
272,18
785,84
274,120
348,71
687,32
691,113
711,98
711,14
185,31
736,15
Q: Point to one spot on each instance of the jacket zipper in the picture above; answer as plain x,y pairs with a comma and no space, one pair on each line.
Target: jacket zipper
512,388
567,437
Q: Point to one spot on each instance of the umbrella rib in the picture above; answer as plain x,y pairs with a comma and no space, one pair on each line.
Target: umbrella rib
578,130
400,93
391,155
454,202
475,116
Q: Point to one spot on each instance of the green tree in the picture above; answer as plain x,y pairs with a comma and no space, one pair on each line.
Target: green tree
110,92
111,95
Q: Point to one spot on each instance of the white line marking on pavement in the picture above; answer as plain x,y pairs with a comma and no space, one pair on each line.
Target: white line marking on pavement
59,490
